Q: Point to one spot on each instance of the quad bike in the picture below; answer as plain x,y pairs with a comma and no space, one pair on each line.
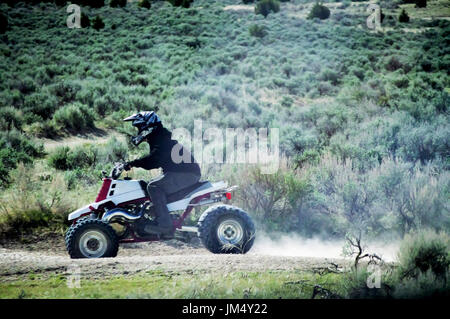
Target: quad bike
123,208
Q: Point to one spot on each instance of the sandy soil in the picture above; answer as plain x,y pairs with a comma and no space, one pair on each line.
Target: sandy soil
49,257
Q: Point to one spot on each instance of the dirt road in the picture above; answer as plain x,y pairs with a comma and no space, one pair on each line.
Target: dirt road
50,257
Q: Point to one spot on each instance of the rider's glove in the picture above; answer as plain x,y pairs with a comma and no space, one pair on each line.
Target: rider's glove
126,166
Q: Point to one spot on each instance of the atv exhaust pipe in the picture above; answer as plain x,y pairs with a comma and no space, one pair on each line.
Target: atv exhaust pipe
118,214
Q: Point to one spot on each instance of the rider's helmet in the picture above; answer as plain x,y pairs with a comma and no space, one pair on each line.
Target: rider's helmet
145,122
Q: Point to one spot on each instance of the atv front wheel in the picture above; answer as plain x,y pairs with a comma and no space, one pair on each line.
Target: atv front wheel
91,238
226,229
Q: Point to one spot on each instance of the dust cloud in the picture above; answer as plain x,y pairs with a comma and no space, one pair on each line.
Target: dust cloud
293,245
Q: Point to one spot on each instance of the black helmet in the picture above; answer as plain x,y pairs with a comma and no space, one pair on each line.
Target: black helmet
145,122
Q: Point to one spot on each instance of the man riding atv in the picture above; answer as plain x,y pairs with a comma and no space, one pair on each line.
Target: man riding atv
176,176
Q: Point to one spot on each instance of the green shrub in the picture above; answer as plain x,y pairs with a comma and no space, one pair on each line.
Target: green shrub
382,15
85,22
319,11
25,85
257,31
421,3
82,156
393,64
181,3
60,3
65,91
97,23
96,3
403,17
423,266
90,3
75,117
145,4
247,1
424,251
10,118
118,3
427,65
42,104
14,148
355,285
3,23
425,285
275,198
46,129
88,155
33,201
330,76
58,158
264,7
113,151
64,158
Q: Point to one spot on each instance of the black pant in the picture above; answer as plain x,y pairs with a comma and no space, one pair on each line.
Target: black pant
166,184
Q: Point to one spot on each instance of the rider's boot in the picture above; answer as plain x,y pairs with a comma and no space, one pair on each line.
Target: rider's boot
164,226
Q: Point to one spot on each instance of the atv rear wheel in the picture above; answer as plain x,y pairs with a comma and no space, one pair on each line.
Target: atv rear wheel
226,229
91,238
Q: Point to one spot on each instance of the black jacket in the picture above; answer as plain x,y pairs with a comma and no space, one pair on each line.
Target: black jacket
161,144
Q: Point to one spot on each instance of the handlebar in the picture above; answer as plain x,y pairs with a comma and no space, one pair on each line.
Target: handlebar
117,170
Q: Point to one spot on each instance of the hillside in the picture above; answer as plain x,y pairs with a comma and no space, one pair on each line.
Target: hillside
362,114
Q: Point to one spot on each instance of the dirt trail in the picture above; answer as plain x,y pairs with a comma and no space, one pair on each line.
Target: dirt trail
50,257
97,136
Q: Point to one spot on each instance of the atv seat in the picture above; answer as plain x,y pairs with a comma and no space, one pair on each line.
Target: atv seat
183,193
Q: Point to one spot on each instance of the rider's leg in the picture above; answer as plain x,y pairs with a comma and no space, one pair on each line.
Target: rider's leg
158,189
158,197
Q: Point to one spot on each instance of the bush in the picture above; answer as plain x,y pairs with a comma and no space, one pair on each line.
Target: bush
90,3
427,65
96,3
75,117
393,64
145,4
275,199
247,1
3,23
422,252
181,3
118,3
10,118
60,3
403,17
42,104
46,129
421,3
355,285
319,11
88,155
423,266
85,22
257,31
33,201
426,285
58,158
14,148
64,158
264,7
98,23
113,151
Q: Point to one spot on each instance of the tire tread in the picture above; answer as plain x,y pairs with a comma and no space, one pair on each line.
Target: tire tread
84,223
209,220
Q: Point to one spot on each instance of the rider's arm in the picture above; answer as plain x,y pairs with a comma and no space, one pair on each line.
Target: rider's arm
150,161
